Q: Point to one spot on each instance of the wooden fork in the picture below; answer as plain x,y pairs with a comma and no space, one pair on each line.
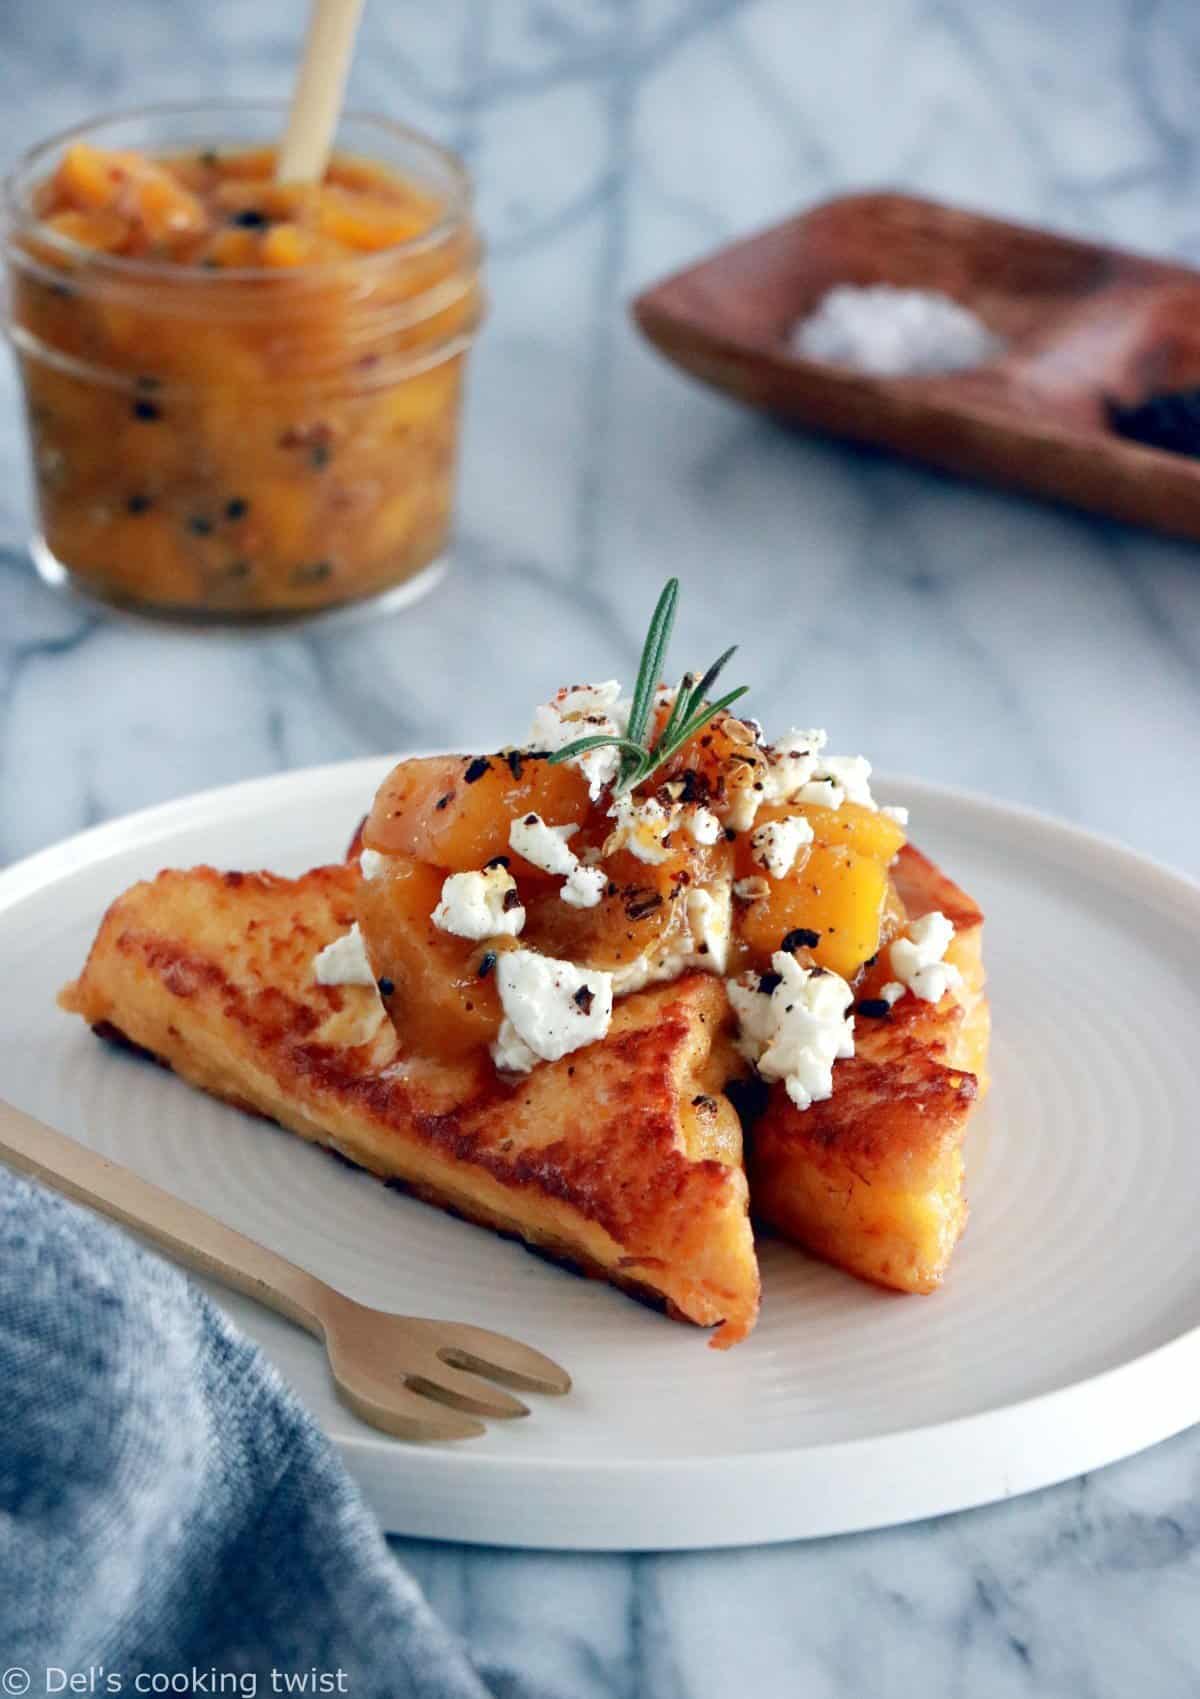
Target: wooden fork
400,1373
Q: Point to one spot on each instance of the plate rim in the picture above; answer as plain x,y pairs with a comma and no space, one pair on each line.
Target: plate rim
975,1459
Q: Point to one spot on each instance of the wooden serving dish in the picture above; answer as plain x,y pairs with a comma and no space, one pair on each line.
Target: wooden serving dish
1083,324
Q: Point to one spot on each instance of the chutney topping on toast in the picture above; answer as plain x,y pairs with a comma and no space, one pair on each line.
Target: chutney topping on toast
532,993
872,1178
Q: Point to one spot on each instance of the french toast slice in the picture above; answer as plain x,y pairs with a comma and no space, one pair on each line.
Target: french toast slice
624,1159
872,1179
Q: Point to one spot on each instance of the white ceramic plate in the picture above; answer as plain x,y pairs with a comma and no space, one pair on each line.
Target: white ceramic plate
1067,1335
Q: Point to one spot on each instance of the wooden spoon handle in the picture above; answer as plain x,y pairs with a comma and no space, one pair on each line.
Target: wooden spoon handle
317,102
187,1233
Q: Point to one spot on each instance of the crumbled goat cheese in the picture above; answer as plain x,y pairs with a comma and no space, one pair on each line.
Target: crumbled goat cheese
652,967
917,960
543,846
584,887
575,700
894,332
741,811
643,828
791,763
797,1030
480,905
710,916
546,847
891,993
703,825
345,961
823,793
852,773
510,1052
587,710
373,864
893,811
550,1008
776,845
798,770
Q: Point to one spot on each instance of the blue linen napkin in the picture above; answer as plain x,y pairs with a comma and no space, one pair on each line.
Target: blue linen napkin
167,1507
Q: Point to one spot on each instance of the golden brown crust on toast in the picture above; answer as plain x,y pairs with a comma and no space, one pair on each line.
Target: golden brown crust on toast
872,1179
623,1159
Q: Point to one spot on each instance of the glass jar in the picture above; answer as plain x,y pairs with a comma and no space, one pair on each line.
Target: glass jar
215,441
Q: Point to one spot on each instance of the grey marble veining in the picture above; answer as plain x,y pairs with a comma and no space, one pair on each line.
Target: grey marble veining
952,633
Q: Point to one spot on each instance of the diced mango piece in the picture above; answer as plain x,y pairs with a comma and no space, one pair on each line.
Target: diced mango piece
251,163
233,248
862,829
286,245
367,223
86,177
837,893
150,199
456,812
100,228
721,759
432,985
164,206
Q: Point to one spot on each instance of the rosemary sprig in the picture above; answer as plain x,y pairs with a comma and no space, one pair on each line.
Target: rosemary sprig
641,756
654,653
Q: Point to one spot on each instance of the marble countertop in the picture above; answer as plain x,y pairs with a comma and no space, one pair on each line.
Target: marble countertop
611,141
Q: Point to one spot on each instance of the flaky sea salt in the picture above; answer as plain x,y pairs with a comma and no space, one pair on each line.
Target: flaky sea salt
894,332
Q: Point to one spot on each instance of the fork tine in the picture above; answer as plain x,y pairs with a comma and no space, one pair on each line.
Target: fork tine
408,1414
449,1383
500,1358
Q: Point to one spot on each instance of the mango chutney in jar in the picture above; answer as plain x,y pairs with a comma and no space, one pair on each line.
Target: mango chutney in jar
243,396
